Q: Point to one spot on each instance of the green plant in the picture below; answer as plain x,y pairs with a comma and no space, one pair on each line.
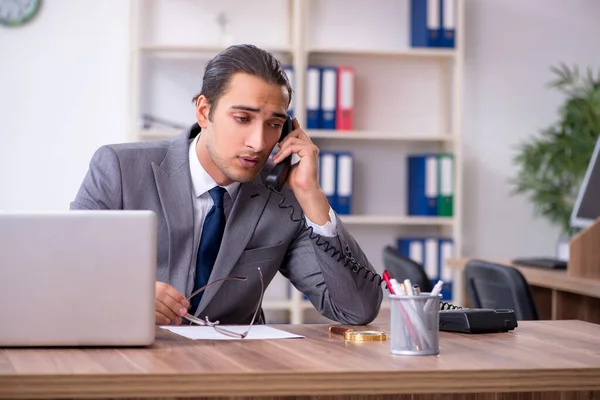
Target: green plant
553,163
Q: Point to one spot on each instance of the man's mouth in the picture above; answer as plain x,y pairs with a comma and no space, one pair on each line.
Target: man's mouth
249,162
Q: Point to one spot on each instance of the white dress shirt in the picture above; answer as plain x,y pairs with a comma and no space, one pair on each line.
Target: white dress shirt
202,182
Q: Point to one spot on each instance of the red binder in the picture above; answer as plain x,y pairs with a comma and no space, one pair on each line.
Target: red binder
345,99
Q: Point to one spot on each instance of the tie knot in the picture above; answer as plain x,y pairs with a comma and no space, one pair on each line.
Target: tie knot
217,195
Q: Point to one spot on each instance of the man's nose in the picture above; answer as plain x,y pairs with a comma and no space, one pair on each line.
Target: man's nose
256,139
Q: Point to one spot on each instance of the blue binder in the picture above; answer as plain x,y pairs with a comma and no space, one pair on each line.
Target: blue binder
422,185
445,252
425,20
413,248
328,177
328,97
424,251
344,186
448,32
313,97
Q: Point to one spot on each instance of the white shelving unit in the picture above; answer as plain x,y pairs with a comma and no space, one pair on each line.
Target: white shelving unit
406,100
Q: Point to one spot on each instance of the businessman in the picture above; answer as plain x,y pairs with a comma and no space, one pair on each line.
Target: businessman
216,217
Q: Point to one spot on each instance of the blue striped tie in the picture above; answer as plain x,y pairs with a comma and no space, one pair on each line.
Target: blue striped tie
212,233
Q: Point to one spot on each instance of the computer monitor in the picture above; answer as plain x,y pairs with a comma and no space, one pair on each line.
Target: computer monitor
587,205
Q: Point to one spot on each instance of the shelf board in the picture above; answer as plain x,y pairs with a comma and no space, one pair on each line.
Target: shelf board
191,49
395,220
415,53
376,135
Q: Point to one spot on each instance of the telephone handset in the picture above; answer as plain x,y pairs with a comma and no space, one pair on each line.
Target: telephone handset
279,174
276,180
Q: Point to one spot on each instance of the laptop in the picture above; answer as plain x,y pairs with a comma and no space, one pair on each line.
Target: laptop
77,278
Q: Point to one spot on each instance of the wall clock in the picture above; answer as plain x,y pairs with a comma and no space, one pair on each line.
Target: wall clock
18,12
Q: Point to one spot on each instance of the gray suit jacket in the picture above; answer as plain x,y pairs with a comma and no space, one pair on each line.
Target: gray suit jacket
258,233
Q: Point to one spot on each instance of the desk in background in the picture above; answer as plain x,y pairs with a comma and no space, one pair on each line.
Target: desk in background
557,295
539,359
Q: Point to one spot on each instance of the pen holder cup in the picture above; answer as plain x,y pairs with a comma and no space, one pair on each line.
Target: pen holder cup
414,324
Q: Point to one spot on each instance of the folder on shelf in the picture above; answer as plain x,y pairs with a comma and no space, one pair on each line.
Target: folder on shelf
423,185
344,183
289,71
328,97
327,176
345,99
313,97
448,11
431,258
413,248
446,252
425,20
431,253
446,185
424,251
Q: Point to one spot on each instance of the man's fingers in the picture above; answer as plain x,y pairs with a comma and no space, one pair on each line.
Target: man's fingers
166,311
174,306
178,297
295,146
161,319
295,134
170,291
170,305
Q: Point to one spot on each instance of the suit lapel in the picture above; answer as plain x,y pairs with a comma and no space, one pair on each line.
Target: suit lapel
245,214
173,183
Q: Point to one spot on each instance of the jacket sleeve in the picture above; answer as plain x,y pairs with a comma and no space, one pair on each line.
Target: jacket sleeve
101,188
332,287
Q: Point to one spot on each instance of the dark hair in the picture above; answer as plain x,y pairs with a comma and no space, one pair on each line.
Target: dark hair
244,58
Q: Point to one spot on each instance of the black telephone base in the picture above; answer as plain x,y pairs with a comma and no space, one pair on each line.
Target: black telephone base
477,320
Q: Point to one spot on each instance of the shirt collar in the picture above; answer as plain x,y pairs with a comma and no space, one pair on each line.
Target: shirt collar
202,182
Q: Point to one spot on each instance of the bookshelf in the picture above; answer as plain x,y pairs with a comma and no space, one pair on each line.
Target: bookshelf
407,100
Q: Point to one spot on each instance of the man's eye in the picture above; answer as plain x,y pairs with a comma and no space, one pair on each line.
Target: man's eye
242,119
276,125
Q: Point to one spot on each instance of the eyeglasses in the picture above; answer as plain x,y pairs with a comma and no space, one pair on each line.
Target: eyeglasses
215,325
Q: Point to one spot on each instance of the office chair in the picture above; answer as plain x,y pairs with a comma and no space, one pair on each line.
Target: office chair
498,286
401,268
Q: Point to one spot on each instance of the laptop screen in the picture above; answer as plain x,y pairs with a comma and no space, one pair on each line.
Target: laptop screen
587,206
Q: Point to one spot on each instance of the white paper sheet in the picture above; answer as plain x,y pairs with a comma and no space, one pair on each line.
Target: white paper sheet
258,332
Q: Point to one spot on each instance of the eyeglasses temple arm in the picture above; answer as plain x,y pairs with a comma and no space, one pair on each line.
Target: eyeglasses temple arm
237,278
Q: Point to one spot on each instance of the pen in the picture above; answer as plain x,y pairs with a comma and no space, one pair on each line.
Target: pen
397,287
408,287
416,289
437,288
386,278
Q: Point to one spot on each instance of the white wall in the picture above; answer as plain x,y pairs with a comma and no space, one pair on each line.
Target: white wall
510,46
63,92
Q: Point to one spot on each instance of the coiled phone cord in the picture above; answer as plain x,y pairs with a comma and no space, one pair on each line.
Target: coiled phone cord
348,260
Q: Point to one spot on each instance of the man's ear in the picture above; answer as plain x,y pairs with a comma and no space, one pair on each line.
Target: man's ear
202,110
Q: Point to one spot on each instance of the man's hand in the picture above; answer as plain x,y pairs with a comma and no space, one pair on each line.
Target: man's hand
170,304
303,179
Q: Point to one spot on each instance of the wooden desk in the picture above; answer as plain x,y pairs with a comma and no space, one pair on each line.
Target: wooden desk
539,359
557,295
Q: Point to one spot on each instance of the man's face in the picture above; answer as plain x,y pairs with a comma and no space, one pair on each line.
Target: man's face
246,125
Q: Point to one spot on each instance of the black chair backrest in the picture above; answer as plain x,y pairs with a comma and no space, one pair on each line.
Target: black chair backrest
499,286
401,268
